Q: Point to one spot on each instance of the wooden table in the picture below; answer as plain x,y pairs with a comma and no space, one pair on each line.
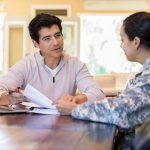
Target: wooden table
52,132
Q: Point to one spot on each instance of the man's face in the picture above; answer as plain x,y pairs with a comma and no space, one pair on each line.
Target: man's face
50,42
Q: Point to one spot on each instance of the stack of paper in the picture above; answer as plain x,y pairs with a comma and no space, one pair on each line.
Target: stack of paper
44,103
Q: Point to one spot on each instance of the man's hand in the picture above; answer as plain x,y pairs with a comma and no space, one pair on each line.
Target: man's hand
69,102
78,99
12,97
16,97
66,107
4,100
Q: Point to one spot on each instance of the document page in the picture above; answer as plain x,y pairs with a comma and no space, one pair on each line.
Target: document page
45,111
38,98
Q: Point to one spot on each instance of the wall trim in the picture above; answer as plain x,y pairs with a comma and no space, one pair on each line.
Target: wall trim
114,5
14,23
35,7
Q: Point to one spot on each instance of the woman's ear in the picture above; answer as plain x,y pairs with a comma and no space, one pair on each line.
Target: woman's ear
35,43
137,42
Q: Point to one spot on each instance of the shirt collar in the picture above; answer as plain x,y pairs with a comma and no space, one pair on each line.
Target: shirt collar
146,65
63,60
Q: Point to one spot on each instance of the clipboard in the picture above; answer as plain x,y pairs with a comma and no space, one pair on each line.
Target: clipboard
19,108
15,109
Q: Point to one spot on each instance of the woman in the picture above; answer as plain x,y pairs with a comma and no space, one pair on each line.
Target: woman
131,107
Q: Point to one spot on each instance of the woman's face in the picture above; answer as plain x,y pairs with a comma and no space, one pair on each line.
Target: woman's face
127,45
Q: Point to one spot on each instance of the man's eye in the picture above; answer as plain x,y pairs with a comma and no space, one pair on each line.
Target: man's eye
47,39
58,35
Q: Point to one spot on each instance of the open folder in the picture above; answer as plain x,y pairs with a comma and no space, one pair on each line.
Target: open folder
39,103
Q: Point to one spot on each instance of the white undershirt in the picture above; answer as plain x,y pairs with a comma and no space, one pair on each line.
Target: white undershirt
53,71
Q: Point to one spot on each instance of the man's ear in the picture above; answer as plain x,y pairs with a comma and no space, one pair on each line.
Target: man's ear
137,42
35,43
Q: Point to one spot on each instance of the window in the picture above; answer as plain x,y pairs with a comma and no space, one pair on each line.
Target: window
71,35
100,44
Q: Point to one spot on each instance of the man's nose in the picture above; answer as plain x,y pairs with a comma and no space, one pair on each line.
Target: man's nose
55,42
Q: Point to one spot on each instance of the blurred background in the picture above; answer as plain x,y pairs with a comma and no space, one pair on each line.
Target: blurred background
90,29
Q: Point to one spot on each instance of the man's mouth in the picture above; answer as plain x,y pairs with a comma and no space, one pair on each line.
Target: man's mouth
56,49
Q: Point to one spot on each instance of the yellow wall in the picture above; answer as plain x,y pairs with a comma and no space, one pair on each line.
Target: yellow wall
22,8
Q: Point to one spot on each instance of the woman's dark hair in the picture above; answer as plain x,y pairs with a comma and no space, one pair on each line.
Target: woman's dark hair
40,21
138,25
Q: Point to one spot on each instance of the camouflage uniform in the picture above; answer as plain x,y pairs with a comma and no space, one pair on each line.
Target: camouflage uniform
127,110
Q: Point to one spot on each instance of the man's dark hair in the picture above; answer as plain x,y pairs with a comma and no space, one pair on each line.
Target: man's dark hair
138,24
40,21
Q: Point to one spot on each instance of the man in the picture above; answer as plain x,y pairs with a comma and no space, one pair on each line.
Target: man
49,70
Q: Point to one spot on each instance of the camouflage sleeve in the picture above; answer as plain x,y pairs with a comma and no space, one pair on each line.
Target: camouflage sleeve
127,110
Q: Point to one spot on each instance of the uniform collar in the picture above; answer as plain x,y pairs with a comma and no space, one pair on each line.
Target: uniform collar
145,68
146,65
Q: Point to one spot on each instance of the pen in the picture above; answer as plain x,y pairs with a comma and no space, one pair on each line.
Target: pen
6,107
16,90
